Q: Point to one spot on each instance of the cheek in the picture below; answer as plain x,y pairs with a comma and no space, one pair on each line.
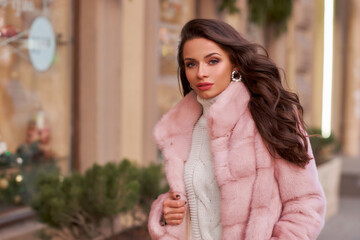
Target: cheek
224,80
225,83
189,75
225,76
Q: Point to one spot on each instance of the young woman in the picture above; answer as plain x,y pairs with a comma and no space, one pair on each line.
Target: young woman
238,160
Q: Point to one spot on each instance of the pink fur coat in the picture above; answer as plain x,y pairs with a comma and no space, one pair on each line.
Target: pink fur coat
261,197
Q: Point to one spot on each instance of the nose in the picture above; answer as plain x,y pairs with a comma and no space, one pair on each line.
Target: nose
202,71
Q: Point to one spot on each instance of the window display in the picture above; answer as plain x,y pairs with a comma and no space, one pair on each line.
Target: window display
35,95
173,14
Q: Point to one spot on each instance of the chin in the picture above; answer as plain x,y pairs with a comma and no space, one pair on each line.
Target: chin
207,95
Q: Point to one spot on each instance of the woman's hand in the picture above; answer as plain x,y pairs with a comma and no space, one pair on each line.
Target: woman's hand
174,209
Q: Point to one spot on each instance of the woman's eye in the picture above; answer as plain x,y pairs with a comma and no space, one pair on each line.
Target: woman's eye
189,65
214,61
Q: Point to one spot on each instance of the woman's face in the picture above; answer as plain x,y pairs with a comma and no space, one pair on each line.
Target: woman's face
207,67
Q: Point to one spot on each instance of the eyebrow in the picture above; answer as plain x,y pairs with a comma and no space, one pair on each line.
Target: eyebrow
207,56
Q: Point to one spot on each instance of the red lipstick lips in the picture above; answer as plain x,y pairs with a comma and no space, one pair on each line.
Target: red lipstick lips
204,86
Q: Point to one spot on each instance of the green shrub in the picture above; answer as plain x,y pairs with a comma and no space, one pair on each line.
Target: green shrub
79,205
152,184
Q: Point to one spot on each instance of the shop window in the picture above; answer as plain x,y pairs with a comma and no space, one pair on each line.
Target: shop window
35,95
173,15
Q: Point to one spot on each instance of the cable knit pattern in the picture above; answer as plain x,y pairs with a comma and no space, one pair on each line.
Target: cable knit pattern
201,187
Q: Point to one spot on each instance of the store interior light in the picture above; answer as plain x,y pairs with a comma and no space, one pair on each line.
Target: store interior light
327,68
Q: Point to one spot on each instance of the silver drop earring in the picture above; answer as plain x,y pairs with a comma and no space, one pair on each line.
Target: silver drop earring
236,76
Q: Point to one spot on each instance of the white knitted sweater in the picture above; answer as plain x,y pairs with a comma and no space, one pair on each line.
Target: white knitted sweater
201,188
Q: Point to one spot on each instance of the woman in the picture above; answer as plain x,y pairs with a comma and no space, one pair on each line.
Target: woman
238,161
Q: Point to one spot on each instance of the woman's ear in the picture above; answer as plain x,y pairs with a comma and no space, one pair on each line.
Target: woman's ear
235,68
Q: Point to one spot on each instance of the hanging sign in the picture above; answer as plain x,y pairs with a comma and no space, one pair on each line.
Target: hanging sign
41,44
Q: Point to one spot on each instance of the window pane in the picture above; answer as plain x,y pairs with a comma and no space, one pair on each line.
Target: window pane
35,94
173,15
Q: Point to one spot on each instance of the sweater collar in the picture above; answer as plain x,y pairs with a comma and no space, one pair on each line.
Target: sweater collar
206,103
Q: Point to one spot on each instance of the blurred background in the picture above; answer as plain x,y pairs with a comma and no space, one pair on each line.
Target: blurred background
83,82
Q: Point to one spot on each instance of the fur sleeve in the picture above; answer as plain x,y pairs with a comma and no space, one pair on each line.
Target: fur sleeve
158,232
303,201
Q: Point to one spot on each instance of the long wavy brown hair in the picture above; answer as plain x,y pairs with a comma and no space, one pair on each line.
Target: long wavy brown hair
277,112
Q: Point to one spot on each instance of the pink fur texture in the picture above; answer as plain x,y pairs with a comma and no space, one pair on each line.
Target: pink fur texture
261,197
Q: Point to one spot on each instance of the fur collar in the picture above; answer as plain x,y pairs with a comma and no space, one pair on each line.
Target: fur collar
222,116
173,133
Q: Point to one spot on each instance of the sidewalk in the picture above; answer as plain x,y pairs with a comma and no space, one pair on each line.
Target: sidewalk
346,224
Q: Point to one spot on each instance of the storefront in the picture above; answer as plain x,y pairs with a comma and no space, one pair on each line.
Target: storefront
35,95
